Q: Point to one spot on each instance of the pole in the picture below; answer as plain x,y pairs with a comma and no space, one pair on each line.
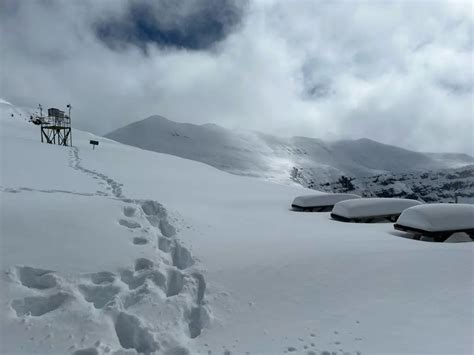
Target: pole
70,123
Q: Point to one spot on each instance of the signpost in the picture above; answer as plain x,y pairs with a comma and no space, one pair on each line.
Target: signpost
94,143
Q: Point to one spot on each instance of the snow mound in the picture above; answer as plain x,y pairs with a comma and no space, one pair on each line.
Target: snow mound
438,217
321,200
372,207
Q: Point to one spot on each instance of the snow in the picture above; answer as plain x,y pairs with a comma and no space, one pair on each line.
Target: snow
218,262
315,200
459,237
438,217
273,158
370,207
19,113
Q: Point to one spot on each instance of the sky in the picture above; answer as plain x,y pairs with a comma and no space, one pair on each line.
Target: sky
399,72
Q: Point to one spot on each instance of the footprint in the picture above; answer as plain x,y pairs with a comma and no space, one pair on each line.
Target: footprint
175,283
178,351
103,277
99,295
198,319
166,229
36,278
140,241
142,264
164,244
88,351
129,211
132,334
136,296
158,217
135,280
10,190
37,306
129,223
153,208
181,257
201,287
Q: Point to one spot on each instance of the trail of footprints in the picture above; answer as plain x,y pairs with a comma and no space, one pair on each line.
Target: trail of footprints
115,293
50,191
109,183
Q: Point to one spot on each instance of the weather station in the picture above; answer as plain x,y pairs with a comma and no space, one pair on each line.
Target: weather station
56,127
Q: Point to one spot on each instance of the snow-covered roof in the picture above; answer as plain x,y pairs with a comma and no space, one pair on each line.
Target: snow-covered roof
438,217
371,207
320,200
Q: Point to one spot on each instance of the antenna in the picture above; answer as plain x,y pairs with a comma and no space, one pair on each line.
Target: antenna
41,110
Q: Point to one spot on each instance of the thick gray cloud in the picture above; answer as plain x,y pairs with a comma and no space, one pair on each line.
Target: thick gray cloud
397,72
178,24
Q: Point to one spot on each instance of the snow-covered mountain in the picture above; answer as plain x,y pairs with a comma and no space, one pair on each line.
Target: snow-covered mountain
256,154
120,250
310,162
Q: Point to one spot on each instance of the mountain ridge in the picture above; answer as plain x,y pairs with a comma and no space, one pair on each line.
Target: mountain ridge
259,154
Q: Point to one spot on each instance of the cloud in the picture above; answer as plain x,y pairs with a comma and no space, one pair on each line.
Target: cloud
179,24
397,72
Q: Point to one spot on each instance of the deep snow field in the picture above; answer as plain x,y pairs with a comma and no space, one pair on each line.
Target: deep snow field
117,250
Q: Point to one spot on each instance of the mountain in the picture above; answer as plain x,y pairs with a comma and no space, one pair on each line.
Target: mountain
310,162
120,250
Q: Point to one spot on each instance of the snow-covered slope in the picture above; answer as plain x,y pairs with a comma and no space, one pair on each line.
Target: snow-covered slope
8,110
118,250
256,154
